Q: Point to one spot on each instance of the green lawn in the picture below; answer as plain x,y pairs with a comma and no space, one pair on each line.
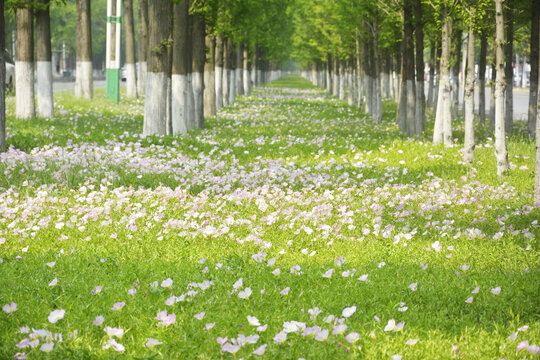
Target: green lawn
336,226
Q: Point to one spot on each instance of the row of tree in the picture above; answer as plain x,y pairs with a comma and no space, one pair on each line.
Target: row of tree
194,56
382,56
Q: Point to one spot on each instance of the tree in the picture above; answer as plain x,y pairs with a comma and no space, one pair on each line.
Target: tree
535,45
508,58
179,77
442,131
143,45
468,149
131,70
407,101
219,72
420,108
2,80
24,64
84,83
501,152
210,77
155,105
45,105
199,57
537,166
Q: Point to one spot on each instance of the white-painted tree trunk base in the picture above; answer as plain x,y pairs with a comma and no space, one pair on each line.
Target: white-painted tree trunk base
209,94
141,78
155,104
198,98
179,87
219,87
84,81
169,104
131,81
225,84
247,82
190,109
45,103
24,90
232,86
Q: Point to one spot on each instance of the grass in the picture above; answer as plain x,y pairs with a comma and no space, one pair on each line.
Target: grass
287,178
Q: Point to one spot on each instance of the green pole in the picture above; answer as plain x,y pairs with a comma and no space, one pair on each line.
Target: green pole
113,66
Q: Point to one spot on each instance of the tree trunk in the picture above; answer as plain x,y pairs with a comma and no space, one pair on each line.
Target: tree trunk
482,79
143,45
3,80
337,85
226,71
437,78
533,86
210,78
84,82
240,69
45,104
377,102
199,57
431,82
359,73
329,74
407,102
179,77
129,30
24,65
368,80
254,66
420,108
350,85
442,131
155,105
219,72
232,71
468,150
501,152
537,166
342,80
397,76
509,75
245,77
456,74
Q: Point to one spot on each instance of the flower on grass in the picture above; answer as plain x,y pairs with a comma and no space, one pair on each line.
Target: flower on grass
262,328
339,329
397,357
150,343
411,341
98,320
280,337
23,343
238,284
56,315
221,340
118,306
96,290
496,291
475,290
322,335
293,326
348,312
392,326
245,294
10,308
132,291
413,286
19,356
260,350
314,313
533,349
469,300
164,319
167,283
199,316
116,346
276,272
253,321
352,337
51,264
53,282
328,274
114,332
230,348
47,347
285,291
209,326
364,278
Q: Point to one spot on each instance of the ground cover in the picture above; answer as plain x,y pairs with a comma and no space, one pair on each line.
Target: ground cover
293,226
